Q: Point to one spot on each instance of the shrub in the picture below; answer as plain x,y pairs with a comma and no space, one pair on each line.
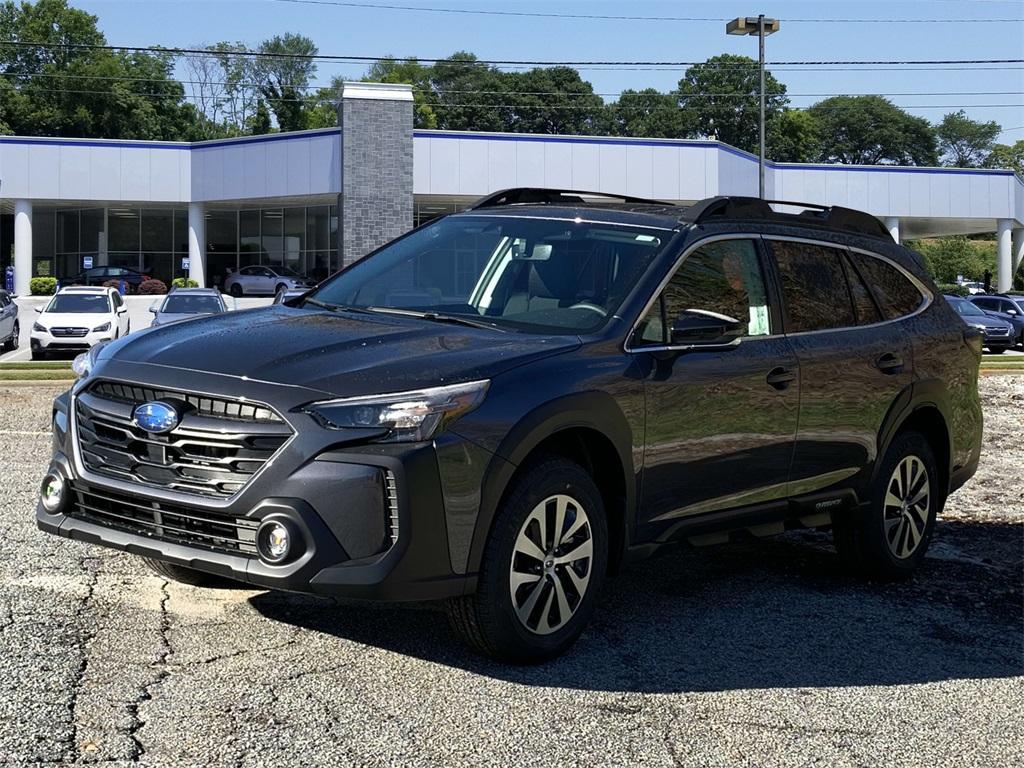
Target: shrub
953,289
43,286
152,287
184,282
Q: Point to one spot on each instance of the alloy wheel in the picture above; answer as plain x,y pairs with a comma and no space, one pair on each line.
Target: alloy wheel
906,506
551,564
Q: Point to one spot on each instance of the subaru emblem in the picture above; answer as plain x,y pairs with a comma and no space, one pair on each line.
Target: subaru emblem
156,417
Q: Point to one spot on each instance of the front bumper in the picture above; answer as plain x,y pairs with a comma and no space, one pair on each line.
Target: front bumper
329,496
49,342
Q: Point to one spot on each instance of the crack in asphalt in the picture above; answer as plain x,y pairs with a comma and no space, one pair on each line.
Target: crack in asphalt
92,565
162,672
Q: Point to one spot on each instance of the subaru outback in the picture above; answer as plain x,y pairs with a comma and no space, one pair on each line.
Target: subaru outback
501,407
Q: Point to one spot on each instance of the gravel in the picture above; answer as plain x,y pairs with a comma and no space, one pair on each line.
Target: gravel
758,653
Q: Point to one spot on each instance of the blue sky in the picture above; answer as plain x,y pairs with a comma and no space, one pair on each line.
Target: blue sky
364,31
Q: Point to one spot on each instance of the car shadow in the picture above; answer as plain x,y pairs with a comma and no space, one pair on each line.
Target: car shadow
773,613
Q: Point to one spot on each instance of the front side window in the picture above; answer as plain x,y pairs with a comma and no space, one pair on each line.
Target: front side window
896,295
814,286
79,303
717,295
516,273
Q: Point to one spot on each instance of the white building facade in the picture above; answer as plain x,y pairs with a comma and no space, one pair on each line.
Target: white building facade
203,209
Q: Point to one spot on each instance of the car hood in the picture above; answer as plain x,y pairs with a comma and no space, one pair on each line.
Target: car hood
340,354
74,319
988,321
165,318
1008,319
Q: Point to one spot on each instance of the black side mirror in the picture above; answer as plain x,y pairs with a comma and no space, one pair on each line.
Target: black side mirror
698,326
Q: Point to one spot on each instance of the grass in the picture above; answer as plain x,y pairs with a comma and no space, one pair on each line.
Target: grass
36,375
37,365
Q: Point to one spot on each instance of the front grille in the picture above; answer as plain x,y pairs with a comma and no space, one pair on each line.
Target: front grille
997,331
218,446
391,498
164,522
68,332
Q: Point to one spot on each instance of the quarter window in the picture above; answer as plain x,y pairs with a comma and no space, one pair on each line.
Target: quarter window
814,286
896,295
867,311
721,284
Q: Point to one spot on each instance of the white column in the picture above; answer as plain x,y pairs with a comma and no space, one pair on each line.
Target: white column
22,246
1004,255
892,223
1017,249
197,243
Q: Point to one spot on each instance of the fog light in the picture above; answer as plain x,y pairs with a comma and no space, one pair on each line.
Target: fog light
52,493
275,541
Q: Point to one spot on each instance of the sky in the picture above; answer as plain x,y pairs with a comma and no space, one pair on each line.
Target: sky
985,94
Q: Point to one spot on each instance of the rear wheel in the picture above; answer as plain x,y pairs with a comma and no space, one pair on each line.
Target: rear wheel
542,569
888,539
183,575
12,343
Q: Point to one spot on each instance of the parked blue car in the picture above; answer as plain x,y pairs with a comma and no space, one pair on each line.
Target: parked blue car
1005,307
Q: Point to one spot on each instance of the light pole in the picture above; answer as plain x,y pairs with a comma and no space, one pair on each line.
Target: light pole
762,27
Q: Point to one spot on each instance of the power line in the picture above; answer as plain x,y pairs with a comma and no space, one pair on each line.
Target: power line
551,63
610,17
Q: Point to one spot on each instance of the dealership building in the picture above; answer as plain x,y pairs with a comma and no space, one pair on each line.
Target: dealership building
317,200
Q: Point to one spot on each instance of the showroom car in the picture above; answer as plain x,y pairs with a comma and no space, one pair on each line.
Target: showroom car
79,318
265,280
101,275
503,406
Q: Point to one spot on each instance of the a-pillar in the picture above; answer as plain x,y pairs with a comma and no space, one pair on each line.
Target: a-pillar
376,166
22,246
1004,255
892,223
197,243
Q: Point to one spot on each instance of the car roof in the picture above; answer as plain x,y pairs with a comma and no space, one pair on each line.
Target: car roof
85,289
200,291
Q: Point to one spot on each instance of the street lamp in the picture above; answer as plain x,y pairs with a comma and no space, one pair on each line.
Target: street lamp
762,27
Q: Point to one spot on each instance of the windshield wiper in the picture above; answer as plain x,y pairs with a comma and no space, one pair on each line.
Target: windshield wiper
336,307
438,317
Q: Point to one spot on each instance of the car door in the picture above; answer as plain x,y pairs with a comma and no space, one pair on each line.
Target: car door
721,408
8,312
853,364
120,313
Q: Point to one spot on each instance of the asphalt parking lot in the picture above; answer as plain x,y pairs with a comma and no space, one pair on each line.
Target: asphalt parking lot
754,654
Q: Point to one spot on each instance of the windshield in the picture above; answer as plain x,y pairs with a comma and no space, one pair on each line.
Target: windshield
527,274
79,303
191,305
965,307
286,272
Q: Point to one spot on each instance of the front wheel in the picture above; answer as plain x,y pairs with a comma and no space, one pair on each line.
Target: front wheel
38,354
996,350
236,290
542,569
183,575
889,538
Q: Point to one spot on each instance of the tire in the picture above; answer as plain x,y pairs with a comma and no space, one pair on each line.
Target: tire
281,288
38,354
12,343
183,575
236,290
489,620
996,350
883,540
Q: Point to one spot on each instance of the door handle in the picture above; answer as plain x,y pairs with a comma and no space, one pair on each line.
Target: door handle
890,363
780,377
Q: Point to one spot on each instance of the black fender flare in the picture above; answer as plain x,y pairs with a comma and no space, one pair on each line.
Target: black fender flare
926,393
598,411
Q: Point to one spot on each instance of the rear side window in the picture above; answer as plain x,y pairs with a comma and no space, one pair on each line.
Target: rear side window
896,295
814,286
863,303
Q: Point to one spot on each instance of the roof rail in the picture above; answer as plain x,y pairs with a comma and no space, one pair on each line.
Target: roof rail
835,216
526,195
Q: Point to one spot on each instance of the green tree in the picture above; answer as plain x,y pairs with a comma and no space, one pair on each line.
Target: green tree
391,70
794,136
947,258
720,100
259,121
470,96
963,142
871,130
284,70
553,100
1007,156
648,113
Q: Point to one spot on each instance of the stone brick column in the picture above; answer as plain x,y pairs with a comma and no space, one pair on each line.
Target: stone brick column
375,204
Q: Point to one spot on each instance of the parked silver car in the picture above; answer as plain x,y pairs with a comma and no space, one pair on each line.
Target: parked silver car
265,280
9,329
187,303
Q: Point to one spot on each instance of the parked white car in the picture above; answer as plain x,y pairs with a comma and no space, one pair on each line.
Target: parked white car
271,279
78,318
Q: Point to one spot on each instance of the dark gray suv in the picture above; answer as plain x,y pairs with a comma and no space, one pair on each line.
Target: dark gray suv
501,407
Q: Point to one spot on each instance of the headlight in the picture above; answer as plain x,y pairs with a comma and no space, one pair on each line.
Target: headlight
39,328
83,364
408,416
100,328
